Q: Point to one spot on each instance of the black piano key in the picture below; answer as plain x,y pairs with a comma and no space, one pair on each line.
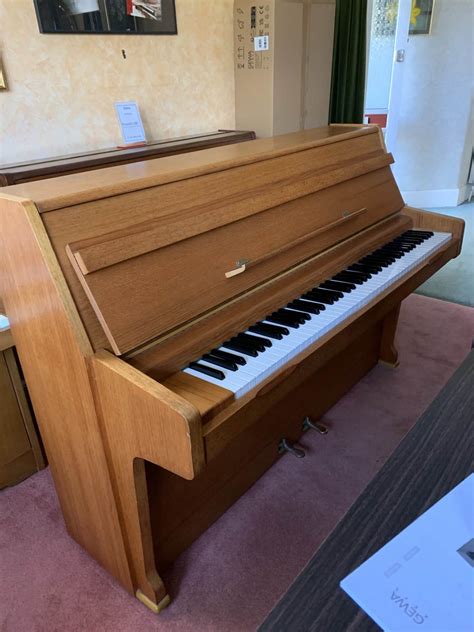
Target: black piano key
254,339
301,316
323,296
233,345
272,331
334,294
411,241
366,268
383,255
305,306
202,368
251,344
421,233
405,247
281,319
231,357
405,243
376,260
415,241
365,276
391,252
314,302
392,248
349,278
225,364
338,285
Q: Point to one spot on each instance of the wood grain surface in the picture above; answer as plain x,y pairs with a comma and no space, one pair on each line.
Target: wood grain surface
433,458
83,187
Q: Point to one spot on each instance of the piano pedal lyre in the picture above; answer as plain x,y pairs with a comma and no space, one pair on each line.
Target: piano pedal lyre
286,446
314,425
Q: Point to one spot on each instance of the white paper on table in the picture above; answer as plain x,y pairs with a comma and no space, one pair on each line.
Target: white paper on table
423,579
4,323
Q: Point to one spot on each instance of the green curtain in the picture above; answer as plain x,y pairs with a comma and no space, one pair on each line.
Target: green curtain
348,65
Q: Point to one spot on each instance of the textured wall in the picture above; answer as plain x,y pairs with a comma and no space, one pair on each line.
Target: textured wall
435,114
62,88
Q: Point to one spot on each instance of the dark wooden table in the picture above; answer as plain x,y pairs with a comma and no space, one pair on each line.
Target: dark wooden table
433,458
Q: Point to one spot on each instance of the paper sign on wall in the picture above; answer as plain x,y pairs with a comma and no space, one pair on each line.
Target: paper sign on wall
130,122
261,42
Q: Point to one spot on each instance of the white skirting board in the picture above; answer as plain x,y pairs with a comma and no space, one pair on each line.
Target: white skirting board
438,198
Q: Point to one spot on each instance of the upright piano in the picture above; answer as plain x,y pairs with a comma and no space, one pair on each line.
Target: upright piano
181,322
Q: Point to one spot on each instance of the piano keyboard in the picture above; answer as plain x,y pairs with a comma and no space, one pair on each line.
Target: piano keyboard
247,359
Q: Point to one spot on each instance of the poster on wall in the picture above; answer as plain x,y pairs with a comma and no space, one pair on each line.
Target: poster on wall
421,17
139,17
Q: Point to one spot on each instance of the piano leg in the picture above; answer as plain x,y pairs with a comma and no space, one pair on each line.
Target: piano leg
131,490
142,421
388,353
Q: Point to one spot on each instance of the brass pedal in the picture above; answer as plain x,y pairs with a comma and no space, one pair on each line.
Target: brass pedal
285,446
314,425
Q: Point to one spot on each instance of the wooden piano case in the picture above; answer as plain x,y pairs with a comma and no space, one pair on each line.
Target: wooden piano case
118,282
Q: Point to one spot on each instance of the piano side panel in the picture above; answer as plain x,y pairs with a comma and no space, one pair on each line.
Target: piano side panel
52,346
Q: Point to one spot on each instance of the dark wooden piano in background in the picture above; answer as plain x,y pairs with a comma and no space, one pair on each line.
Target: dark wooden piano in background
99,158
126,288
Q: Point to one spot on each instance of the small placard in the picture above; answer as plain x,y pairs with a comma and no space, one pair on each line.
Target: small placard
261,42
130,122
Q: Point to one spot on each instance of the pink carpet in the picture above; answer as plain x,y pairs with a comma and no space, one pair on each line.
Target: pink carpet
232,576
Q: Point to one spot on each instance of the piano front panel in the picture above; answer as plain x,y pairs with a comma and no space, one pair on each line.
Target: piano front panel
142,297
110,232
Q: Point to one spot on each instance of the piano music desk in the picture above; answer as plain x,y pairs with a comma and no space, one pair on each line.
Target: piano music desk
117,281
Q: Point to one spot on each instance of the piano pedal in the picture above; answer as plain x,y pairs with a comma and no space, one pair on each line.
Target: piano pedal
315,425
285,446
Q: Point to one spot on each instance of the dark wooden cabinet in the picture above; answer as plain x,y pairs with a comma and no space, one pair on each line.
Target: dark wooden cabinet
100,158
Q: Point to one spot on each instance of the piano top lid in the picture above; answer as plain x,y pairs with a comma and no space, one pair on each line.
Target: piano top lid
68,190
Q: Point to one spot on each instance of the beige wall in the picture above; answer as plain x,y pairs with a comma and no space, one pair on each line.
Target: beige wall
62,88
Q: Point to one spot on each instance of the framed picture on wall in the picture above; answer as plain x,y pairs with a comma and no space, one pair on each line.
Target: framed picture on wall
421,17
124,17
